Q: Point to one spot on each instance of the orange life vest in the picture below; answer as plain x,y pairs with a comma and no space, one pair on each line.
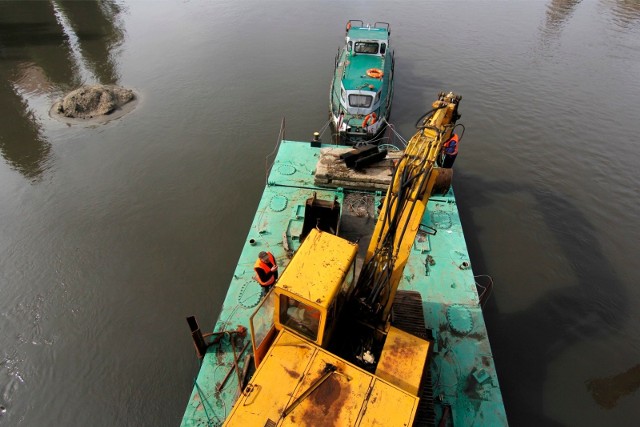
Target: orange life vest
451,146
264,267
314,314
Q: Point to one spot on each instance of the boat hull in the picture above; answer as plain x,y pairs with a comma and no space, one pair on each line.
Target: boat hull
362,87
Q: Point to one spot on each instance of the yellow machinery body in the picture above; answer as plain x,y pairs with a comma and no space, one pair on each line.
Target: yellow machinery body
301,384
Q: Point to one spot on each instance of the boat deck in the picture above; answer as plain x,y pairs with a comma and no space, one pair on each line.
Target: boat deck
463,374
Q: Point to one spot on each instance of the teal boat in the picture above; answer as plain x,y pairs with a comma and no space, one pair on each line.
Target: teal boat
268,364
362,85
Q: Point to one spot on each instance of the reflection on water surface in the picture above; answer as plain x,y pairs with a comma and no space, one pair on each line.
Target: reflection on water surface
111,234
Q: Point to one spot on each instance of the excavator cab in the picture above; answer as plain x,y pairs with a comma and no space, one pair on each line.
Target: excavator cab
308,297
314,286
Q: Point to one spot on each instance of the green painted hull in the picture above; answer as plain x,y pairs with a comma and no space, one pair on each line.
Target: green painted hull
350,76
463,375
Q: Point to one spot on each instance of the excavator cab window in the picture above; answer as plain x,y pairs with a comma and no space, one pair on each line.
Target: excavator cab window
345,287
338,303
299,317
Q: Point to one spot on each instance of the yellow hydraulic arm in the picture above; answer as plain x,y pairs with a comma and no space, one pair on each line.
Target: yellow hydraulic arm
403,208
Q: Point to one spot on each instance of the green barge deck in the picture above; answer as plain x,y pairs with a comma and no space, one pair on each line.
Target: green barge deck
462,387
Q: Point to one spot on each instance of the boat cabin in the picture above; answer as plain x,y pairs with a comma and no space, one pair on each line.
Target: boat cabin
366,47
361,89
369,44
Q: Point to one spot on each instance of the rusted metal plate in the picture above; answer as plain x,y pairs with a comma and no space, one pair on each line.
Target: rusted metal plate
331,171
403,359
382,411
265,397
291,388
443,179
337,401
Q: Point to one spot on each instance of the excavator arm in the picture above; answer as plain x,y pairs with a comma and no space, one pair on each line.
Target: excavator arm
415,176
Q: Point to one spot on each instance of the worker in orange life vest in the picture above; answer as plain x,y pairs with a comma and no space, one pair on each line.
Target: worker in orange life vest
450,151
266,271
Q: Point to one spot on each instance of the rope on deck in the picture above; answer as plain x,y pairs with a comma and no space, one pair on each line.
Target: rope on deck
485,292
267,160
204,401
396,134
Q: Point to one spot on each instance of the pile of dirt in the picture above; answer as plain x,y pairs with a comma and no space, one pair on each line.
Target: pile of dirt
90,102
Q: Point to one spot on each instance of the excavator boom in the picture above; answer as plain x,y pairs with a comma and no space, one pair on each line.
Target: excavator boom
415,176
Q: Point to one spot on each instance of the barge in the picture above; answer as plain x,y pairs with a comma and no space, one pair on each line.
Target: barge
259,367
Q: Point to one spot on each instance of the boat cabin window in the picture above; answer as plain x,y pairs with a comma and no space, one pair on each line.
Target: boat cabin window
377,97
383,48
299,317
349,46
360,101
366,47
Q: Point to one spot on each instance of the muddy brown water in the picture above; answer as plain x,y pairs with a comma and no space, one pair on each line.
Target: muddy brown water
110,235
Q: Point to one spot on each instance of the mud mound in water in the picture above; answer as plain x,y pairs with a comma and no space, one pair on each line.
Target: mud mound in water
89,102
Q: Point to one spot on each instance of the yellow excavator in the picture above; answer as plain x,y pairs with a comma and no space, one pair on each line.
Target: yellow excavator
329,354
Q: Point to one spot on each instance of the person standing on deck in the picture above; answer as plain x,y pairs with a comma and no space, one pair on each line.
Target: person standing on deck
450,151
266,271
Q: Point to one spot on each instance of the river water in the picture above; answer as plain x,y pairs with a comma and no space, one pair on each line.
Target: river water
110,235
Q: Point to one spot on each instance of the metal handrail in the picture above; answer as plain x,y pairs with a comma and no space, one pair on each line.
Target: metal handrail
384,25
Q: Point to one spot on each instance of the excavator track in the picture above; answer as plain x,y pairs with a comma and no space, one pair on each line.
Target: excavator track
408,315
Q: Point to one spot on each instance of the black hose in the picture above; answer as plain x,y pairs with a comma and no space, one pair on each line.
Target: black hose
463,129
427,115
375,277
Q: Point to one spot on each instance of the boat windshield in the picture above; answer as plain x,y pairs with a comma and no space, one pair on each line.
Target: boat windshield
366,47
360,101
